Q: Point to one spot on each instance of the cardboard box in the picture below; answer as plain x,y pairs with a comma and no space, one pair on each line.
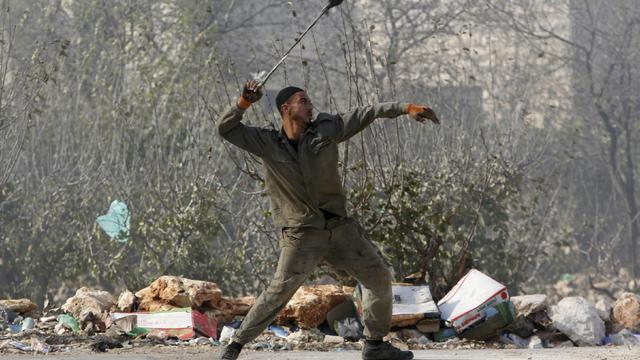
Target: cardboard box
410,304
181,323
464,305
496,318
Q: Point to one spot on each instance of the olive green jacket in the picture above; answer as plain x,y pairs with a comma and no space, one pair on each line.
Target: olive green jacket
301,183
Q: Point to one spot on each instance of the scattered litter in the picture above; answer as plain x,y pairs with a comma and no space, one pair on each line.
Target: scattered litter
278,331
514,339
67,321
201,341
20,345
27,324
498,321
46,319
40,346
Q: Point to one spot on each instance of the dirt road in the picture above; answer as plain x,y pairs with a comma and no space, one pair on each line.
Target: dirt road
181,353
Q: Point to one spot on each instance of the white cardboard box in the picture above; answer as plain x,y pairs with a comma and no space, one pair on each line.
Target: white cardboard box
464,305
409,300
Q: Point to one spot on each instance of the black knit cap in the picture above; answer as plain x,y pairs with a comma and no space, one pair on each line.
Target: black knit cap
285,94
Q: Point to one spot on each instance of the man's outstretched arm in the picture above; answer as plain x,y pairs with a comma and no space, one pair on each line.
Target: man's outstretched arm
353,122
231,128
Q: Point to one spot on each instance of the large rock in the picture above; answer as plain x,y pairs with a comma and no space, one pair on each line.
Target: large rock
529,304
180,292
229,308
126,301
88,300
626,312
310,304
20,306
579,320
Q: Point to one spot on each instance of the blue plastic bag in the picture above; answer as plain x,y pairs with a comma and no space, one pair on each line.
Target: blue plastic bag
116,222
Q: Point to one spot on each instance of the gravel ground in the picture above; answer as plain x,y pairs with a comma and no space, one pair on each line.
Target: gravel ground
165,353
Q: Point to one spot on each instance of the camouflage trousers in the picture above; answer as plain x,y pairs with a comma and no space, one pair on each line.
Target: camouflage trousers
342,244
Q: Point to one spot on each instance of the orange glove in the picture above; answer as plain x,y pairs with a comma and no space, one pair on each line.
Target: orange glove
250,93
422,113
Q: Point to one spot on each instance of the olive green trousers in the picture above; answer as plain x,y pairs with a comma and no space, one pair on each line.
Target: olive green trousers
343,245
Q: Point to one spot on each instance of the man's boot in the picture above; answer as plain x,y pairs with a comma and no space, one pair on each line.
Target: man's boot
383,350
230,352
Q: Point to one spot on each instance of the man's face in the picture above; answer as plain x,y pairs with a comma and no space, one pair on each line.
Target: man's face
299,108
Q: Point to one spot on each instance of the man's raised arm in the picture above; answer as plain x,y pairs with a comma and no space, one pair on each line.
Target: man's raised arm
353,122
231,128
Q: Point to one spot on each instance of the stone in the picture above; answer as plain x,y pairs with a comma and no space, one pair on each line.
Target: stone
332,339
155,305
20,306
625,338
529,304
604,308
236,306
564,344
229,308
579,320
126,301
626,311
310,304
181,292
88,300
521,326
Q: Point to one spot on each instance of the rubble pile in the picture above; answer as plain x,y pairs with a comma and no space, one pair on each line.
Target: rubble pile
477,313
593,287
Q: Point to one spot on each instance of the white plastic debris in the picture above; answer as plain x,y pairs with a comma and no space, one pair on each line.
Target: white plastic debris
226,333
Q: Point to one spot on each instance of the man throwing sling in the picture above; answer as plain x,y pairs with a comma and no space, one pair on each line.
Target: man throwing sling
308,204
